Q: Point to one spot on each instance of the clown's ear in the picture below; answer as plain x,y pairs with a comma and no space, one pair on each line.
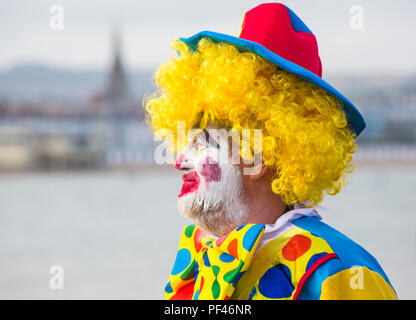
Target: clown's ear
256,170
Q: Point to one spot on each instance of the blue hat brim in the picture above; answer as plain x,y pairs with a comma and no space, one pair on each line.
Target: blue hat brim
354,117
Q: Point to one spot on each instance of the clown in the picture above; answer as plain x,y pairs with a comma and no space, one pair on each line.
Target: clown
257,233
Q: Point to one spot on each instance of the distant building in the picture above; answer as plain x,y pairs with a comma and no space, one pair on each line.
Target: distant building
117,99
109,132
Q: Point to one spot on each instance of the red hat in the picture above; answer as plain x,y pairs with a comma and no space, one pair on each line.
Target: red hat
276,33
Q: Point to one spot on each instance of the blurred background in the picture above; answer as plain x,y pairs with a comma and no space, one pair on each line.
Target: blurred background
78,184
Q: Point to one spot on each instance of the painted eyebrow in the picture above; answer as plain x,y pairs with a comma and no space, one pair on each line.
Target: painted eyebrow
210,139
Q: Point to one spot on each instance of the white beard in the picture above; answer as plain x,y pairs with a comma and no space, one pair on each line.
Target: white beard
217,207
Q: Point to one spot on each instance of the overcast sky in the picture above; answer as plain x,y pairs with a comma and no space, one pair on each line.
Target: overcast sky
386,42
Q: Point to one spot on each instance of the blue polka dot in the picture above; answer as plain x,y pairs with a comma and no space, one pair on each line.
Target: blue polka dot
196,270
251,235
239,275
196,296
226,257
206,261
315,258
168,288
276,283
252,293
183,259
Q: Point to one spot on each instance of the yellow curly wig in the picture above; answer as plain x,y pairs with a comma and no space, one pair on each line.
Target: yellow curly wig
305,136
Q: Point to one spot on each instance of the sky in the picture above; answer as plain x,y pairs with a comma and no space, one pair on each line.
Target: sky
379,37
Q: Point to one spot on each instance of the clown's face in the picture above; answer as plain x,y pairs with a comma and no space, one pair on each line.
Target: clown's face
211,193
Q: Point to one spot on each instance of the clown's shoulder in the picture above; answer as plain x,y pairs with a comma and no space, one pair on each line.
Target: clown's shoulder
313,261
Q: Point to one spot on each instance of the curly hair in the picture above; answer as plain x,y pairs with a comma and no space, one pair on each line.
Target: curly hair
305,136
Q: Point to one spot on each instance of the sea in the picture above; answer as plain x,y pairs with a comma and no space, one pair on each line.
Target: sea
114,234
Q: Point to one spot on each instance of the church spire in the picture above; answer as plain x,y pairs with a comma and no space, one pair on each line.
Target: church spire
117,92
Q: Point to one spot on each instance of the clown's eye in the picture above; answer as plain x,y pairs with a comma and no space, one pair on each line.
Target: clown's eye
208,140
201,147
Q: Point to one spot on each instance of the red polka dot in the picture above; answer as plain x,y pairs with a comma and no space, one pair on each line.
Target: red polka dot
233,248
199,235
185,292
296,247
202,284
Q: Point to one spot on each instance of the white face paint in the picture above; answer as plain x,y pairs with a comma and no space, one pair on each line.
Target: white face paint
211,194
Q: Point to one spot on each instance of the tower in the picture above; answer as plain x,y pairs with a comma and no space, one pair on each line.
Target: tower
117,93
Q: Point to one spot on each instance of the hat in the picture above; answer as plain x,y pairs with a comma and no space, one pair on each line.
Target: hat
276,33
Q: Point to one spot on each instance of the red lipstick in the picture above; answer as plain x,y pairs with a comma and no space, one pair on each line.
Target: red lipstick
191,182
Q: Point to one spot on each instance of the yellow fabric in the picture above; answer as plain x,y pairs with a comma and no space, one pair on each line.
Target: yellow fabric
230,268
211,267
357,283
270,255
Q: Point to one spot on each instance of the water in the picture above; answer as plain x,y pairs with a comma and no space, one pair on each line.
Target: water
116,233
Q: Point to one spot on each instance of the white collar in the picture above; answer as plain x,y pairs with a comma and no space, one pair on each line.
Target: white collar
282,223
289,216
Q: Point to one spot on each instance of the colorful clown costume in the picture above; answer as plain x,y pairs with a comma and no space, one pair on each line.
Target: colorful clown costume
298,257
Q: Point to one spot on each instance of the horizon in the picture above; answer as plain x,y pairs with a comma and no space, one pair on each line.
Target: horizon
145,70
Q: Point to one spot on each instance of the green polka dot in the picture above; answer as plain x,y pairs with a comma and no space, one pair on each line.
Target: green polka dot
216,289
189,272
189,230
208,243
230,275
216,270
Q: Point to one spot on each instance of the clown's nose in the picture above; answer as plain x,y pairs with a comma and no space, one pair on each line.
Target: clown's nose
182,163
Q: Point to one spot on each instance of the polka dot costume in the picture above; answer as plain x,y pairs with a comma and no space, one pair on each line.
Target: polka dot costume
210,269
309,260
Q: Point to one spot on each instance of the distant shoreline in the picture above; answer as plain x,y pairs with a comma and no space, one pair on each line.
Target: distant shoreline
163,168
